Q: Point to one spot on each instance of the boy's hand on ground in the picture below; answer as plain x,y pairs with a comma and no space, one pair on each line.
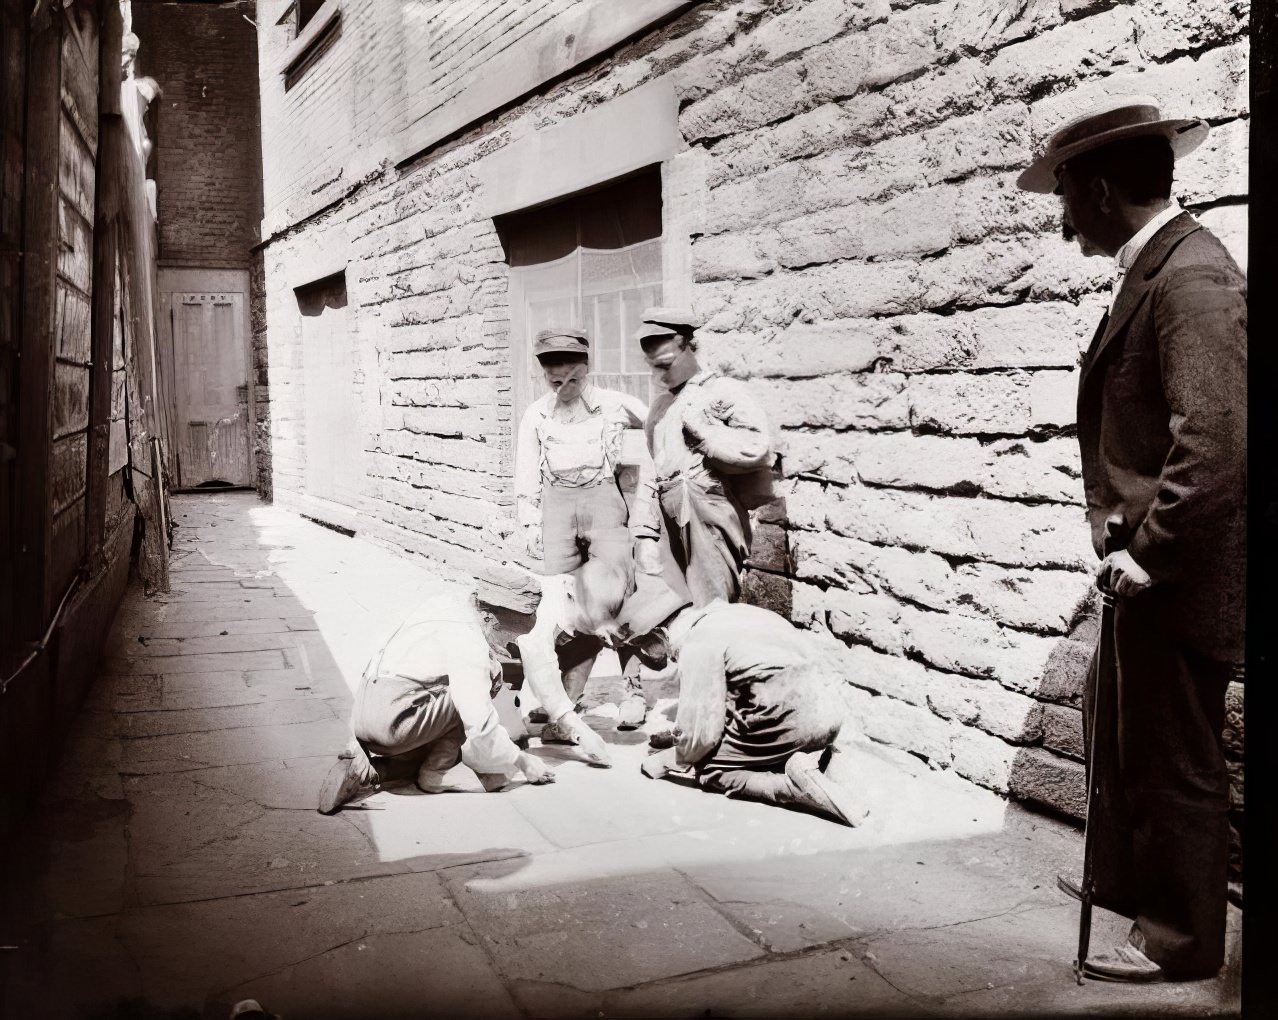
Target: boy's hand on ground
535,770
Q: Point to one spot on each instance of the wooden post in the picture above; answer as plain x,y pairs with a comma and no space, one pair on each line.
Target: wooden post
38,343
109,184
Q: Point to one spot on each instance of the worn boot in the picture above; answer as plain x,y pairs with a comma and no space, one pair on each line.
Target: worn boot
351,779
820,794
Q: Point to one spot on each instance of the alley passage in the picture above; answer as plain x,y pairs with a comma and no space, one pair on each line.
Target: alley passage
181,866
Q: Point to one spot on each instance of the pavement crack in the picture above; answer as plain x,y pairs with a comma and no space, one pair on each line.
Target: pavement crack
296,963
737,925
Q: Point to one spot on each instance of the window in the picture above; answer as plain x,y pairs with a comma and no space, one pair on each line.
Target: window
317,24
305,10
592,260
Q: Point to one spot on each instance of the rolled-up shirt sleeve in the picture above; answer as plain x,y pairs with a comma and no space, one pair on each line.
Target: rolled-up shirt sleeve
488,746
528,470
733,430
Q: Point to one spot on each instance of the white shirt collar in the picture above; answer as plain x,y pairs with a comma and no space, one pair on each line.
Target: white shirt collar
1128,254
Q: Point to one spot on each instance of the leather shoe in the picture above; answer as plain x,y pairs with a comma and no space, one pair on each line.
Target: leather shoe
820,793
344,784
1123,963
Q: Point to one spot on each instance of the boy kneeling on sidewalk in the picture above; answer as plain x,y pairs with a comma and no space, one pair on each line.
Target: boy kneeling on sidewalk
759,709
425,704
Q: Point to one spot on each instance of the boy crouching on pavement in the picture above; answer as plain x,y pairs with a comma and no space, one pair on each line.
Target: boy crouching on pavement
425,704
759,708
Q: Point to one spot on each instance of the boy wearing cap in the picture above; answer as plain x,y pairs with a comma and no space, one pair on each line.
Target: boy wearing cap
1162,431
425,703
567,498
712,463
759,709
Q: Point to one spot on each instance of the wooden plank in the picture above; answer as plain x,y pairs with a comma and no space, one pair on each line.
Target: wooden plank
70,399
34,519
69,458
71,324
66,546
75,172
109,185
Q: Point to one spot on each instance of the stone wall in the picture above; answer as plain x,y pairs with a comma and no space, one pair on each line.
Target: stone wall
859,251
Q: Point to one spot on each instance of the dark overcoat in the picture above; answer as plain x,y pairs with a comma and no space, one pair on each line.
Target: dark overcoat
1162,423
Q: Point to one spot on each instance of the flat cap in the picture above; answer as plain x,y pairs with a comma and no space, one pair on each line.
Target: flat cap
566,340
679,320
650,605
649,329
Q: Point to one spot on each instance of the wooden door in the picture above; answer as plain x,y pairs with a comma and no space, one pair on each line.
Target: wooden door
210,360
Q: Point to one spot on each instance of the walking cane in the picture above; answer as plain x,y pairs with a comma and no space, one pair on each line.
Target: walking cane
1102,699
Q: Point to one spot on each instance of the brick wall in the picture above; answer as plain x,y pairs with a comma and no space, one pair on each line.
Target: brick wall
912,322
207,142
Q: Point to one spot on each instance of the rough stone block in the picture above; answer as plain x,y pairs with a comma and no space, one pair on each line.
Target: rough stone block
982,758
734,256
1033,599
991,530
971,404
887,674
799,351
1212,86
915,224
874,400
903,725
1218,168
759,99
1044,778
953,643
988,706
1233,732
1066,672
1165,27
810,25
1063,731
1011,468
769,548
1100,44
1229,223
770,591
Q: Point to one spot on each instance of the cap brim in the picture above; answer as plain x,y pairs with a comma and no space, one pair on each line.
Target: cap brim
583,351
1184,135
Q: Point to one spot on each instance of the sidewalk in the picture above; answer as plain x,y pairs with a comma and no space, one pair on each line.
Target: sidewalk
179,864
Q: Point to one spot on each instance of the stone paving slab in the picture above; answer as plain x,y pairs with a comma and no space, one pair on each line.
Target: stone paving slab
208,720
181,752
830,984
637,929
440,973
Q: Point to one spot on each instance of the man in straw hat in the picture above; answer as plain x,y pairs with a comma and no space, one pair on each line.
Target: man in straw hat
712,463
759,707
1162,429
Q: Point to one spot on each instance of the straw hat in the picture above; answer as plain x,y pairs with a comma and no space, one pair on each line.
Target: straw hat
1112,120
